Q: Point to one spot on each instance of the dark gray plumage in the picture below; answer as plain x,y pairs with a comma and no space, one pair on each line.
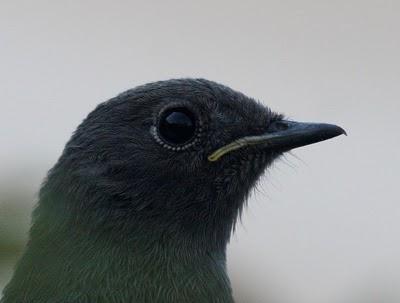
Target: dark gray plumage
142,203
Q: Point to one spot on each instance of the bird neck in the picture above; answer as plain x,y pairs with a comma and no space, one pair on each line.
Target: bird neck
66,260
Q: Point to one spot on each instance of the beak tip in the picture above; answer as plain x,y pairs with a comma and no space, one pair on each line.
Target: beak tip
341,131
329,131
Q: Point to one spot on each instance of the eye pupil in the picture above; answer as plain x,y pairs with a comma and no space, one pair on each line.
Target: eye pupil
177,125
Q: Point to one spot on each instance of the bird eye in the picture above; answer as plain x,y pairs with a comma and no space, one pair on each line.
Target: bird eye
177,126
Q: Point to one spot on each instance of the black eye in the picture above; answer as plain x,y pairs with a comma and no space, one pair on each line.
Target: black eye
177,125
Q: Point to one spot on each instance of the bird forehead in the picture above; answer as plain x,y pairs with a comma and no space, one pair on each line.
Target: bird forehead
244,112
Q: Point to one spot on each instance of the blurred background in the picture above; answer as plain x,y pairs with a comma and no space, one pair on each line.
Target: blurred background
324,224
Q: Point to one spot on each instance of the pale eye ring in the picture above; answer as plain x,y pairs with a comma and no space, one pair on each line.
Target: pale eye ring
177,128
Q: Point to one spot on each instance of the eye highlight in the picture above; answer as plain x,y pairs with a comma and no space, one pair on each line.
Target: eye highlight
177,128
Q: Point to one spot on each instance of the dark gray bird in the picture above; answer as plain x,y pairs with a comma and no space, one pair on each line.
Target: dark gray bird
142,202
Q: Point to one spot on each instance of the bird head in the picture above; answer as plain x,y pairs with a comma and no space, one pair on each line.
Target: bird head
176,157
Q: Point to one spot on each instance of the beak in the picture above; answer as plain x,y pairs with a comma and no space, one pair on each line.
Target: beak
283,136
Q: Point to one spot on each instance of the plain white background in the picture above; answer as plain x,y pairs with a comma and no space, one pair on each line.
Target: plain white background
324,224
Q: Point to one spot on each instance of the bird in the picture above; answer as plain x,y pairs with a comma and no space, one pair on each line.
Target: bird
142,203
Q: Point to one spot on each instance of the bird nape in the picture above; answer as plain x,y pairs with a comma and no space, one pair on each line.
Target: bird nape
145,196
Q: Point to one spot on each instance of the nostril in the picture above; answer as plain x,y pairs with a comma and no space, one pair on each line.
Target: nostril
278,126
281,125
